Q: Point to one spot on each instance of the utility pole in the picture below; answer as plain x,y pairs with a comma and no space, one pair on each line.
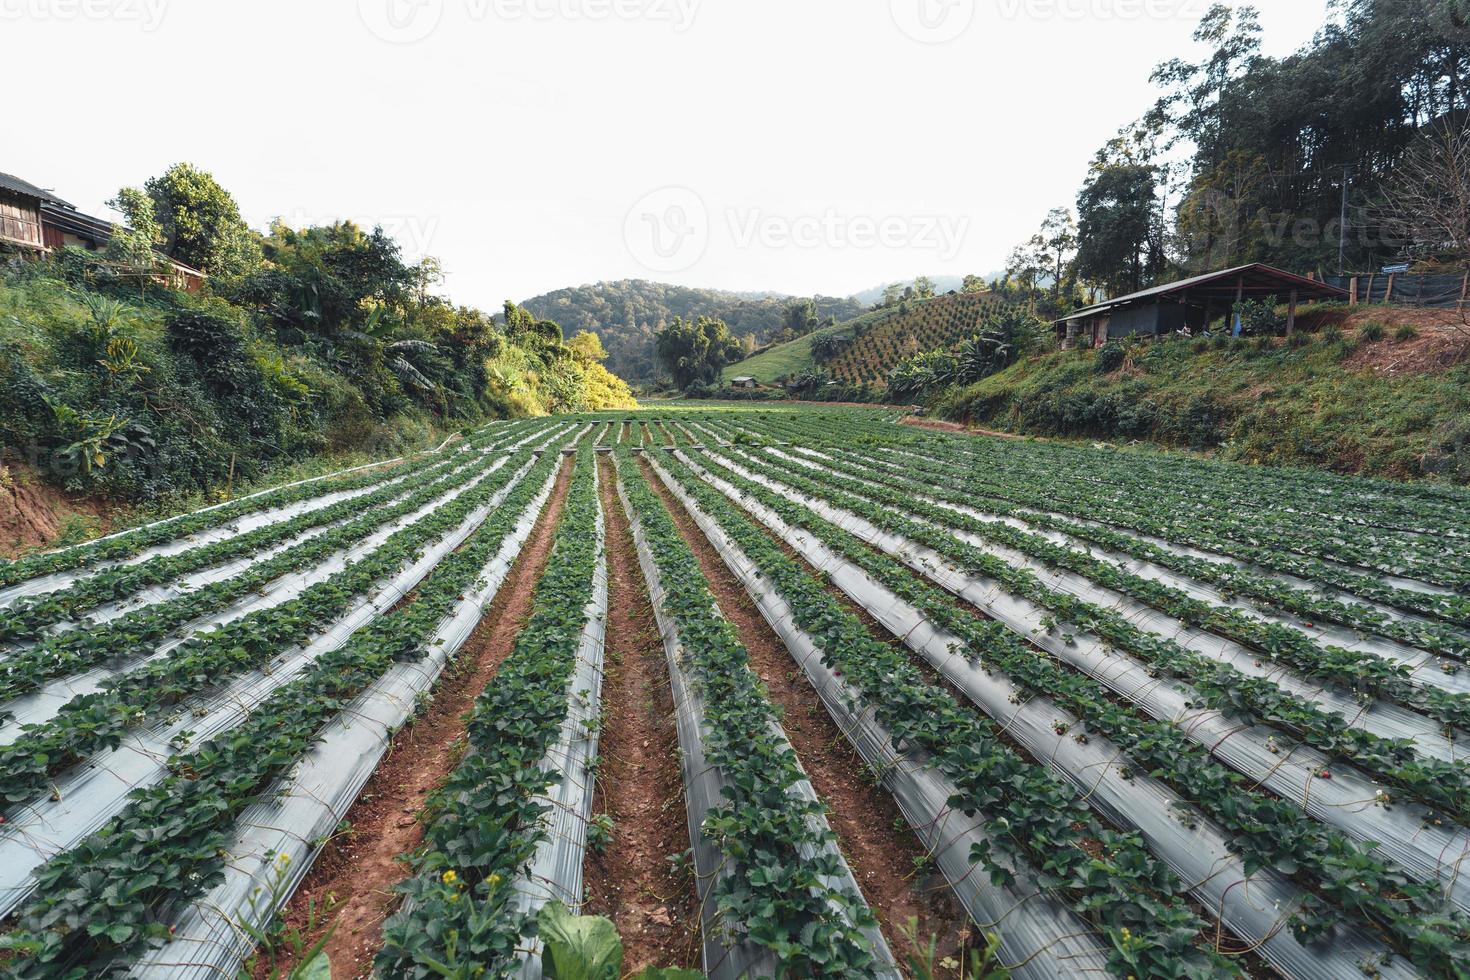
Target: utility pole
1347,171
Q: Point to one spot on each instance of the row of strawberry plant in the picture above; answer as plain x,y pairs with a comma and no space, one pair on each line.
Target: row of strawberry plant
105,902
131,543
1351,881
486,820
1331,504
1230,580
1368,530
1420,553
1248,726
1424,555
776,844
94,722
1360,671
1252,545
128,544
139,632
1246,490
1034,817
1221,686
26,618
1269,545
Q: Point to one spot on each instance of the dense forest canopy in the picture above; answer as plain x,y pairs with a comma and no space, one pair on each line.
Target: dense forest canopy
1245,157
629,313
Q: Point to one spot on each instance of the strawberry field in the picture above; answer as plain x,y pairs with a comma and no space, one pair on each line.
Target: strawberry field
791,691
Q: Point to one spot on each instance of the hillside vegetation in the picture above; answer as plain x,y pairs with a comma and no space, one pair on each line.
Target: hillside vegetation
1364,397
864,349
626,314
305,343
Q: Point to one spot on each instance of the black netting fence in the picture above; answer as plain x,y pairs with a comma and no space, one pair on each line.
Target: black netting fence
1438,291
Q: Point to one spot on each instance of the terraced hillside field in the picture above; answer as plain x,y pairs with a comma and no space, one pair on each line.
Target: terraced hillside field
788,692
877,341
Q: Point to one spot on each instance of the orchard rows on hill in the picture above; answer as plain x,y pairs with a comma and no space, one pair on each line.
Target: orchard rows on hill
936,324
1123,714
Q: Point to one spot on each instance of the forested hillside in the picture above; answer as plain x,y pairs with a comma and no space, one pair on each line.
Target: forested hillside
626,315
304,342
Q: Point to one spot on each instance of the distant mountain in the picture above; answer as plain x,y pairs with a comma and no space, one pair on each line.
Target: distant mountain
942,285
626,313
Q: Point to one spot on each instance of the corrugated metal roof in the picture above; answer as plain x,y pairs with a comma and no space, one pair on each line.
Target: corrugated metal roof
1287,279
12,183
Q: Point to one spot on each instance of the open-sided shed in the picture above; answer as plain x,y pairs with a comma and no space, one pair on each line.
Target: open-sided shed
1191,303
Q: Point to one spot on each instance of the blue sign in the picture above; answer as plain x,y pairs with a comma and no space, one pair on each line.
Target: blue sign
1391,269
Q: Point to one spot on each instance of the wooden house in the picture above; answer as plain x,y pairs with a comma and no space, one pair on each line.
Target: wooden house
1189,304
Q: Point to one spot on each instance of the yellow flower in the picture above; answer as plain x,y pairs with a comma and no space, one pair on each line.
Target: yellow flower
449,877
494,879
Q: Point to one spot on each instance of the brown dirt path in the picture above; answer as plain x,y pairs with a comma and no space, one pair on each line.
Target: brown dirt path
353,877
881,851
638,782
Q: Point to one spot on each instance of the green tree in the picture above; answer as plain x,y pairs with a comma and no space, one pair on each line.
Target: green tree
1059,237
695,350
801,318
1117,210
199,222
134,242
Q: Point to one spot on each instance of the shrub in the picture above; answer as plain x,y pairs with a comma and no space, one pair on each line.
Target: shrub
1110,357
1406,331
1331,335
1258,317
1372,331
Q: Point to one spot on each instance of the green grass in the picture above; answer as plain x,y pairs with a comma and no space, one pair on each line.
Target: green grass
1279,405
783,360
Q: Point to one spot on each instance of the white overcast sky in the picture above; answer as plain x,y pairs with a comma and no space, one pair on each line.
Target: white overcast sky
793,145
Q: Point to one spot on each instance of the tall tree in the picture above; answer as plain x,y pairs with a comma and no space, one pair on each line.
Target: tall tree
693,351
1059,236
1428,196
199,222
1117,215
